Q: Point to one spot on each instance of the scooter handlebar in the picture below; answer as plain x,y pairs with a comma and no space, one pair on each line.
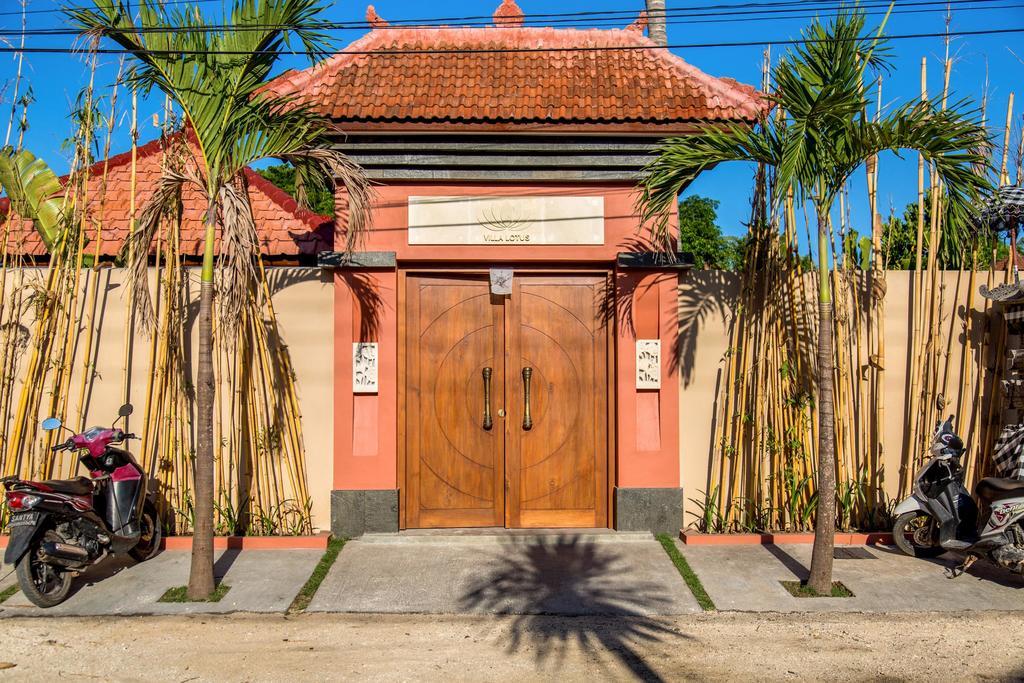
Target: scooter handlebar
66,446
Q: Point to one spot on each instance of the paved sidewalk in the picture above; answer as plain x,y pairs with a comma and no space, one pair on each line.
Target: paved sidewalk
260,580
746,578
565,573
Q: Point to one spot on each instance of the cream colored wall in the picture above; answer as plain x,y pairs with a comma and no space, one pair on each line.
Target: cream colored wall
704,336
304,303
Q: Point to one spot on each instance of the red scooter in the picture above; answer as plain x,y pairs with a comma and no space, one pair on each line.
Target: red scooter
60,528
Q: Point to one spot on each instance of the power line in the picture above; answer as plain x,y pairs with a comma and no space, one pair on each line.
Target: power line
563,16
672,17
513,50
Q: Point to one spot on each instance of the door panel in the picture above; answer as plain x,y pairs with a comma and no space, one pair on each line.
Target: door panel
548,472
455,468
557,468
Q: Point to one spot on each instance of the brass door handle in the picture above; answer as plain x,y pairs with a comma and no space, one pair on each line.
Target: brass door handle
488,422
527,420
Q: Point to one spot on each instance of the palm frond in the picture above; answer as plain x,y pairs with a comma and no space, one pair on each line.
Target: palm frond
327,168
136,249
239,248
680,160
35,193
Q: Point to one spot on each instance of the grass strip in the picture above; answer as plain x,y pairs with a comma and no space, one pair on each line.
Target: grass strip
305,595
694,584
8,592
800,589
180,594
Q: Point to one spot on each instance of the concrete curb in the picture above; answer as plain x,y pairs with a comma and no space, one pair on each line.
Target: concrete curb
698,539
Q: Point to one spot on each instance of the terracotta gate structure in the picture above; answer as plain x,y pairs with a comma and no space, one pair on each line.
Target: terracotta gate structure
504,333
505,385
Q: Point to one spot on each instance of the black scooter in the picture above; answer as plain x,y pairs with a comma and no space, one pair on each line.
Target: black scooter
59,528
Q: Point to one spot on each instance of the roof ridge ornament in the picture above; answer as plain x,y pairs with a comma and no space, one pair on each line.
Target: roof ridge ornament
640,24
508,14
374,19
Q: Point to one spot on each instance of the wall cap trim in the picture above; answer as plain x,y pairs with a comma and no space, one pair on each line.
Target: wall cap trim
357,260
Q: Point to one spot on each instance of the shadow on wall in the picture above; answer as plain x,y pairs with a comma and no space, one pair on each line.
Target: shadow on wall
702,293
571,577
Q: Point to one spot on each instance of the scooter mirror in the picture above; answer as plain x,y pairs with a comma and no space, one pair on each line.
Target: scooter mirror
125,410
51,423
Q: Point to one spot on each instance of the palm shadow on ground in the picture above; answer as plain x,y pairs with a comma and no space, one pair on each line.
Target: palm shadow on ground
576,580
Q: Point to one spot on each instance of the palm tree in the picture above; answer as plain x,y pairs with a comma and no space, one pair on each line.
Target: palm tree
217,76
816,139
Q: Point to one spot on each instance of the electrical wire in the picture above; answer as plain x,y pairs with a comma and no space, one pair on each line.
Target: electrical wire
603,15
935,6
514,50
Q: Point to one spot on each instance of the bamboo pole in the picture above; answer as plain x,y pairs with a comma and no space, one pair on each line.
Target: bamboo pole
17,74
129,299
1004,176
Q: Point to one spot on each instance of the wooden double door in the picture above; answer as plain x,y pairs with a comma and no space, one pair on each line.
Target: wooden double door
506,402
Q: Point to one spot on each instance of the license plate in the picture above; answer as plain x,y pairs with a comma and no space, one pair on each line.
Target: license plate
24,519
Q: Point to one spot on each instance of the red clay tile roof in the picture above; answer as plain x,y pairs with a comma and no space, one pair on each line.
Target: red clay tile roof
611,87
283,228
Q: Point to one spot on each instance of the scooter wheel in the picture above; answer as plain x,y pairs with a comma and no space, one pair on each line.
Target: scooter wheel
150,536
43,584
916,534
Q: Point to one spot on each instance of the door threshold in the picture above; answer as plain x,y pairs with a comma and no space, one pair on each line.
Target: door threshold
498,535
502,531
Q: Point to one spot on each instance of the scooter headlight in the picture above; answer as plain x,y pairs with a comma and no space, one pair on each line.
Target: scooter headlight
22,501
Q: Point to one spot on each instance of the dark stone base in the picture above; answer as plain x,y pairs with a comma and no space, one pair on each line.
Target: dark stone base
659,511
354,513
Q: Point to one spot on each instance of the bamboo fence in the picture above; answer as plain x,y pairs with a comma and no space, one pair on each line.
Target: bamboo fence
50,322
761,473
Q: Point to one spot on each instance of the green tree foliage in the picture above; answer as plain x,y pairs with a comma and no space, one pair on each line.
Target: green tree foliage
701,236
899,242
319,200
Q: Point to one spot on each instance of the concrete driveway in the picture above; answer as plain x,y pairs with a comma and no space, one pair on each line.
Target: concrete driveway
882,579
260,580
504,572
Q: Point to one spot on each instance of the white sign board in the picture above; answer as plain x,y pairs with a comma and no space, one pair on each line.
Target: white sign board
364,368
501,281
506,220
648,363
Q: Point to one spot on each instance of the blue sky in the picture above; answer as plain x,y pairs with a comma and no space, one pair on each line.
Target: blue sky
56,79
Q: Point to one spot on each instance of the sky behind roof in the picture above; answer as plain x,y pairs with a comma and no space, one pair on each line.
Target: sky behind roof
997,60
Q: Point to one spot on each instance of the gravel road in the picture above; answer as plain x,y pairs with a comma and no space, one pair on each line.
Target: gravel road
721,646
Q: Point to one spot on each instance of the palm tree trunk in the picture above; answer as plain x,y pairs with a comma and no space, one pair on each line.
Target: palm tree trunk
825,523
656,29
200,580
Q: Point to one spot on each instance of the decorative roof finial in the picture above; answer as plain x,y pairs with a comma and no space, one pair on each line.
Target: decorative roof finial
373,18
508,14
640,25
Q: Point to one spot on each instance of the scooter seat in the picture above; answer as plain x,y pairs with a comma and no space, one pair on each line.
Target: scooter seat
79,486
997,488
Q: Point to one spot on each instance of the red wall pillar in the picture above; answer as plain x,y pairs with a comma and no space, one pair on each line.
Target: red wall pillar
648,419
366,425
